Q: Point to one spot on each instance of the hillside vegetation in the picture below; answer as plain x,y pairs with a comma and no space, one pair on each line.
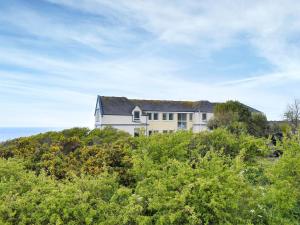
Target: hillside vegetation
82,176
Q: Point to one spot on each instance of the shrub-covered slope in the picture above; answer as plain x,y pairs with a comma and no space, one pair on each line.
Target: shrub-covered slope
79,176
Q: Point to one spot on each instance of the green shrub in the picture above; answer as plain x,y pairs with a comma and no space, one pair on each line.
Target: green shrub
105,176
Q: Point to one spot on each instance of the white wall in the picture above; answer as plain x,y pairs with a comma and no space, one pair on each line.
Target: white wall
117,119
126,123
199,124
128,129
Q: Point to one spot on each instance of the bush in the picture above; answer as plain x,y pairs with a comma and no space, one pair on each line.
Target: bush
107,177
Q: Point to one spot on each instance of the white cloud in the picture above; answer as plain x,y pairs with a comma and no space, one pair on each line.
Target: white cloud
204,26
267,25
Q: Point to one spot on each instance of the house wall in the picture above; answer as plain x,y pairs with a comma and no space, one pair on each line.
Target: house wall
127,124
121,122
128,129
161,125
199,124
119,119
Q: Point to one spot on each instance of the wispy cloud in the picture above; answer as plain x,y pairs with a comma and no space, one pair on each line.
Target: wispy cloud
269,26
56,56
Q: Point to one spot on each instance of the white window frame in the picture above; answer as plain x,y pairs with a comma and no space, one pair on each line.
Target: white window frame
136,118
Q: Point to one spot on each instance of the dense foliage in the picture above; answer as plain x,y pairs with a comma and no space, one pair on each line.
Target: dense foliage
238,118
79,176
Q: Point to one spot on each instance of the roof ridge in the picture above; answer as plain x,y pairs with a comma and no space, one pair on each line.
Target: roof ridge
161,100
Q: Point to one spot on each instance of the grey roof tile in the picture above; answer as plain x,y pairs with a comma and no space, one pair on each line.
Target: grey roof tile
124,106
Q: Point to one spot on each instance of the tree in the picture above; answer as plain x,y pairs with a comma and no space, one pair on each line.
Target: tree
259,125
292,114
231,111
231,115
238,118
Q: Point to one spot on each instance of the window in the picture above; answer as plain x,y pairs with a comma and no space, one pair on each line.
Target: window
181,120
171,131
149,116
164,116
155,116
171,116
155,131
165,131
136,132
150,132
204,116
136,115
191,116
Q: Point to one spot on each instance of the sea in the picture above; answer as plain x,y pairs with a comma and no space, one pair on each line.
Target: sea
8,133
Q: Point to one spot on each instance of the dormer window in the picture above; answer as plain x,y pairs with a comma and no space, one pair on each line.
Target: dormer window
136,115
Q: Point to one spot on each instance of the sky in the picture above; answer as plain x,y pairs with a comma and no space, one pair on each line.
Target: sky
56,56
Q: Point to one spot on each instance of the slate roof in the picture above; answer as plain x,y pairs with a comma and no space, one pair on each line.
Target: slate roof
252,109
124,106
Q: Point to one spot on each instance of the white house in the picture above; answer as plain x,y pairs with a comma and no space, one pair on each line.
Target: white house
152,116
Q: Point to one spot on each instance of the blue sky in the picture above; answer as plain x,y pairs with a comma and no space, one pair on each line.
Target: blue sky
56,56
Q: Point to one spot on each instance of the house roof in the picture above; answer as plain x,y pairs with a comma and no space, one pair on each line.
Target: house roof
252,109
124,106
